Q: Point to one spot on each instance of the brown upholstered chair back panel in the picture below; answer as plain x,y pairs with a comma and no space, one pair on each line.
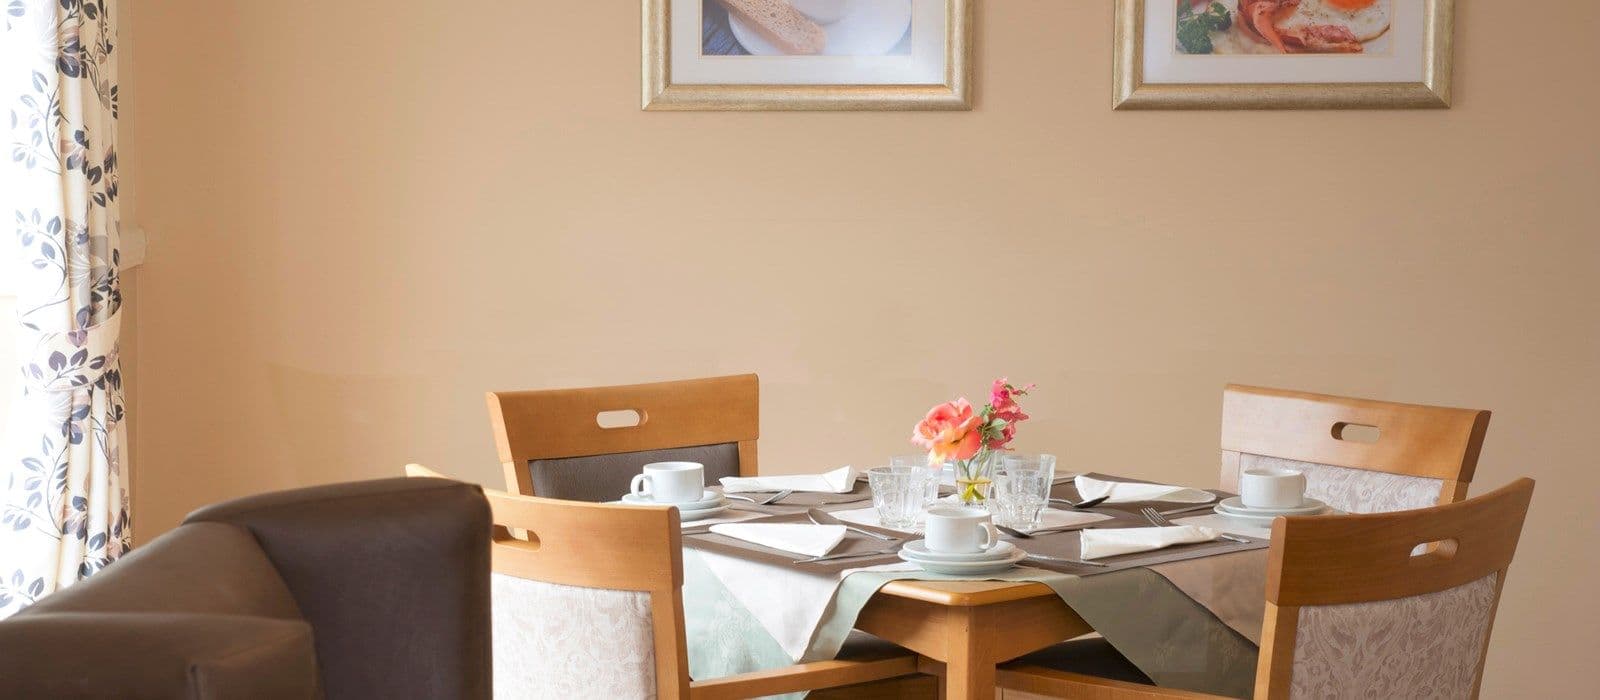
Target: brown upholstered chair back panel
392,574
605,477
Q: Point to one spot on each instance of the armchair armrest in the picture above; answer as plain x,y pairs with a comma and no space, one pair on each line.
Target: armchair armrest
156,655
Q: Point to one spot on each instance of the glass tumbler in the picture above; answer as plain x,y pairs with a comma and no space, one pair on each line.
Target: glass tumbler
897,493
1045,462
935,473
1019,494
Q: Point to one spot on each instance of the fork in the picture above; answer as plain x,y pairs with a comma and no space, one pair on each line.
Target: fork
1156,518
769,500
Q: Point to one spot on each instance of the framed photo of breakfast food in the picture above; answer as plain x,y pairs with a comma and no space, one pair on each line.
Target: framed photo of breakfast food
807,54
1282,54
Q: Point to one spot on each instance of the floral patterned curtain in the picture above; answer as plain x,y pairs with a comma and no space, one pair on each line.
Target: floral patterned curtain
65,504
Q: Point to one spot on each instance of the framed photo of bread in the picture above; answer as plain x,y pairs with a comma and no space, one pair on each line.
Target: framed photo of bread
1282,54
807,54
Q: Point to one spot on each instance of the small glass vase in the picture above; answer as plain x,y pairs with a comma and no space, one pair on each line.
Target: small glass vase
974,477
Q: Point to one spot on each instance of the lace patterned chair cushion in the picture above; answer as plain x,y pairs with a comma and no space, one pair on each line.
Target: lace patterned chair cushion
557,642
1425,646
1349,490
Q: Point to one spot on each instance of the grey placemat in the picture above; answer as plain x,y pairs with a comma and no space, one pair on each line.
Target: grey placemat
1231,586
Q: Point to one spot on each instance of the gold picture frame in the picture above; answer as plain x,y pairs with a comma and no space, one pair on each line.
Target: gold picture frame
661,94
1130,91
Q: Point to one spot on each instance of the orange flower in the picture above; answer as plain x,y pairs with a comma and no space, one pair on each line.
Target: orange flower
949,431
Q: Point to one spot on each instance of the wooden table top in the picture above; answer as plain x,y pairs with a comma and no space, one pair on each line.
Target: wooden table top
966,593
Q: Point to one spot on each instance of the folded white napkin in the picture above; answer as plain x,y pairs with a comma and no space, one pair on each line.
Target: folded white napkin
1125,492
1094,544
841,480
808,540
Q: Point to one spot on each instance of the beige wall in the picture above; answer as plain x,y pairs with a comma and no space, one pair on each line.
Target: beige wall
361,220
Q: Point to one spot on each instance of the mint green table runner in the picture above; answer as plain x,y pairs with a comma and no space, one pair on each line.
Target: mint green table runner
1176,641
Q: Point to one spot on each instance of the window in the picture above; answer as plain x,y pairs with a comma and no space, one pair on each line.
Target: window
8,254
8,279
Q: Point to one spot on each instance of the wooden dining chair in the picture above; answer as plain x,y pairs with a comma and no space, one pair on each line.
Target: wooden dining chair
1359,455
586,444
1354,609
588,604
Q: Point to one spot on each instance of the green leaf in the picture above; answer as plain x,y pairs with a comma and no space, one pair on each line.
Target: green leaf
1217,18
1193,37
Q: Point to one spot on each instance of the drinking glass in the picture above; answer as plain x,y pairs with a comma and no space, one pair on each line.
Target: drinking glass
1045,462
1048,464
1019,494
897,493
935,473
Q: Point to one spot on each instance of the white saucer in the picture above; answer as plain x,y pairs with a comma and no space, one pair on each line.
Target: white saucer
1235,506
917,550
1251,520
709,499
703,513
965,568
869,29
1256,520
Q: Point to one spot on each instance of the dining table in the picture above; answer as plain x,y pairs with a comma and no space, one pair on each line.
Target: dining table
1188,616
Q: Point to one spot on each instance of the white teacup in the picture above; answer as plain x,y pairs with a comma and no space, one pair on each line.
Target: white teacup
1272,487
822,11
960,530
670,482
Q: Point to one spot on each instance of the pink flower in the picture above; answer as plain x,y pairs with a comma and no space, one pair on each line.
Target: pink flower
949,431
1003,442
1003,406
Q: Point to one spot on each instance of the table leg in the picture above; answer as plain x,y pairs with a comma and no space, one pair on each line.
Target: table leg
961,640
969,670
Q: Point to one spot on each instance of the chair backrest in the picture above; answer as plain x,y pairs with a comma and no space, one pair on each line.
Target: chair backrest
552,442
587,598
1421,455
1390,605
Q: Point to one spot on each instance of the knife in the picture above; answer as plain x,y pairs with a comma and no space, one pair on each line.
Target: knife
1189,509
822,518
846,555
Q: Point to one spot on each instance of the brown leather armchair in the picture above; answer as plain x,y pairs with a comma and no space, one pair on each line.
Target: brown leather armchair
374,589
